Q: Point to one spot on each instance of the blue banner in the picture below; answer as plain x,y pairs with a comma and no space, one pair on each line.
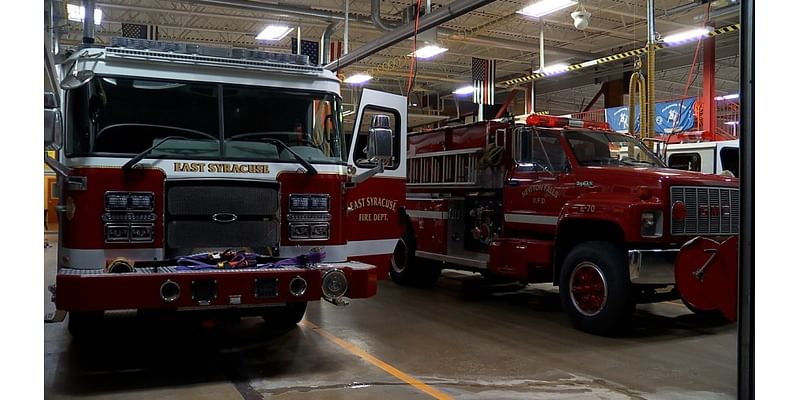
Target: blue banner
671,117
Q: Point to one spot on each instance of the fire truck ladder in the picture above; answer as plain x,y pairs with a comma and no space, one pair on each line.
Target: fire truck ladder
445,168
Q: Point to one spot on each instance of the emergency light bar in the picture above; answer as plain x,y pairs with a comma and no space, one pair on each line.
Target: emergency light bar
209,51
563,122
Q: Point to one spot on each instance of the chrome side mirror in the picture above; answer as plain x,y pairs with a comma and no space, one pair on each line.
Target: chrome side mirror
77,79
379,142
53,124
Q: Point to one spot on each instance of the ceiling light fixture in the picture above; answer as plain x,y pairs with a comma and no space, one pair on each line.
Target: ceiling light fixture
580,17
727,97
464,90
274,32
76,13
357,79
544,7
428,51
555,69
686,35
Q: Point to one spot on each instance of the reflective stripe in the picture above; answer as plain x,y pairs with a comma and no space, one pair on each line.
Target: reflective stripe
532,219
427,214
338,253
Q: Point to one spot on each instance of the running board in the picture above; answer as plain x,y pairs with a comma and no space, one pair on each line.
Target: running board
481,260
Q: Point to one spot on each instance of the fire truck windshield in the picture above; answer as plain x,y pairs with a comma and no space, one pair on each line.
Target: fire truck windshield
604,148
121,116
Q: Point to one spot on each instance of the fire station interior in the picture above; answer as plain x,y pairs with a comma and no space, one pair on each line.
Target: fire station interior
551,202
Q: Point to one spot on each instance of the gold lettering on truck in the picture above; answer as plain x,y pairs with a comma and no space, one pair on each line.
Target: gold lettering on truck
221,168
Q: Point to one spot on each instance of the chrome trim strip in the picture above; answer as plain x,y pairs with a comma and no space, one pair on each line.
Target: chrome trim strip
532,219
427,214
469,262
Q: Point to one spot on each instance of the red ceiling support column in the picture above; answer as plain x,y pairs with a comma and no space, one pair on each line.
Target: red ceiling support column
709,86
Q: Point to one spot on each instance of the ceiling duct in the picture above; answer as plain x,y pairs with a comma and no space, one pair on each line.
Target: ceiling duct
375,15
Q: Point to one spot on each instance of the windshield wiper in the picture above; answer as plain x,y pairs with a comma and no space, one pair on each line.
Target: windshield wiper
135,160
310,170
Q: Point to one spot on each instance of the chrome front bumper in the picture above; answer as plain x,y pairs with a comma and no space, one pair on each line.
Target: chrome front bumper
652,266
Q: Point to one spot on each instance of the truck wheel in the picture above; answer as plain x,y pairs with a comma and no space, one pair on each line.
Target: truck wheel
595,288
84,325
286,316
407,269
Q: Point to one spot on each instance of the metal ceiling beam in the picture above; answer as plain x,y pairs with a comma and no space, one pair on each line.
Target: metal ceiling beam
440,16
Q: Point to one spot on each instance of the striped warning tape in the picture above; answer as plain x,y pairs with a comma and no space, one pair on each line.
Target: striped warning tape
614,57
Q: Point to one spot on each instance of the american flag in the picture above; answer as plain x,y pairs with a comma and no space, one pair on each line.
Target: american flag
140,31
483,80
309,48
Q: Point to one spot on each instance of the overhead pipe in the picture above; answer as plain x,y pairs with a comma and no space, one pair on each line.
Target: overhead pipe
375,15
435,18
325,42
88,22
279,9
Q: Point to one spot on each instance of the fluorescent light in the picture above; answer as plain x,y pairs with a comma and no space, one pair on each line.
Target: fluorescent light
732,123
727,97
357,78
555,69
687,35
464,90
544,7
588,63
428,51
348,112
274,32
76,13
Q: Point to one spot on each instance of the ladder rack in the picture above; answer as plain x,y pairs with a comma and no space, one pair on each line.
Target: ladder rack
445,168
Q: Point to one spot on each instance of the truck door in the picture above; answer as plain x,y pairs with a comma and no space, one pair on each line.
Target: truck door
536,187
374,205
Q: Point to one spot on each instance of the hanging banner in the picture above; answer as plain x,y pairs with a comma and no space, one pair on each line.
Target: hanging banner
671,117
675,116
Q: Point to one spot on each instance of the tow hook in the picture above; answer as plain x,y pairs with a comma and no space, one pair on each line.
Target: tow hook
338,301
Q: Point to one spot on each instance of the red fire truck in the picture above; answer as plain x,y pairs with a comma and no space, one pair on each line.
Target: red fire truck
196,177
557,200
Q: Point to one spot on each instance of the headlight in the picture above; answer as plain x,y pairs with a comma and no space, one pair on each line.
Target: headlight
651,224
129,201
309,202
309,232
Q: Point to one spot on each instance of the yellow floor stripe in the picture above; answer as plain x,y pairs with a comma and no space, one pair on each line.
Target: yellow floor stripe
436,394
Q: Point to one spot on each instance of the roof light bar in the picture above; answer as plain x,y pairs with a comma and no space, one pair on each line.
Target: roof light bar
562,122
544,7
274,32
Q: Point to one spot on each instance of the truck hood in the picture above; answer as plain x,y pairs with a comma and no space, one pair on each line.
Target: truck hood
654,178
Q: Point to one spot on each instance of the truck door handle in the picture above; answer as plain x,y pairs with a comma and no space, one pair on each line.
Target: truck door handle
513,182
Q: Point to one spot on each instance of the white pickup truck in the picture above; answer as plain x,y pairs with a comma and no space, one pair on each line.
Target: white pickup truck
709,157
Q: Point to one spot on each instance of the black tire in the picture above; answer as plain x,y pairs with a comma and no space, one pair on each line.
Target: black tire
84,325
408,269
595,288
288,315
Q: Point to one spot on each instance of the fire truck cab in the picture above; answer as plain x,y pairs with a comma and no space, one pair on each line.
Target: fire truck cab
556,200
195,177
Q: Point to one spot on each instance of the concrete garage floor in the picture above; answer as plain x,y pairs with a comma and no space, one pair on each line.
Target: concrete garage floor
460,340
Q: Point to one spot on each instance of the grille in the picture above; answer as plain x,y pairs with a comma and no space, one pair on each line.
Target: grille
250,210
709,210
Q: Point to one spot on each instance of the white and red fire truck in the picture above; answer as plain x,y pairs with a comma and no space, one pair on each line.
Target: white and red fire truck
196,177
563,201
